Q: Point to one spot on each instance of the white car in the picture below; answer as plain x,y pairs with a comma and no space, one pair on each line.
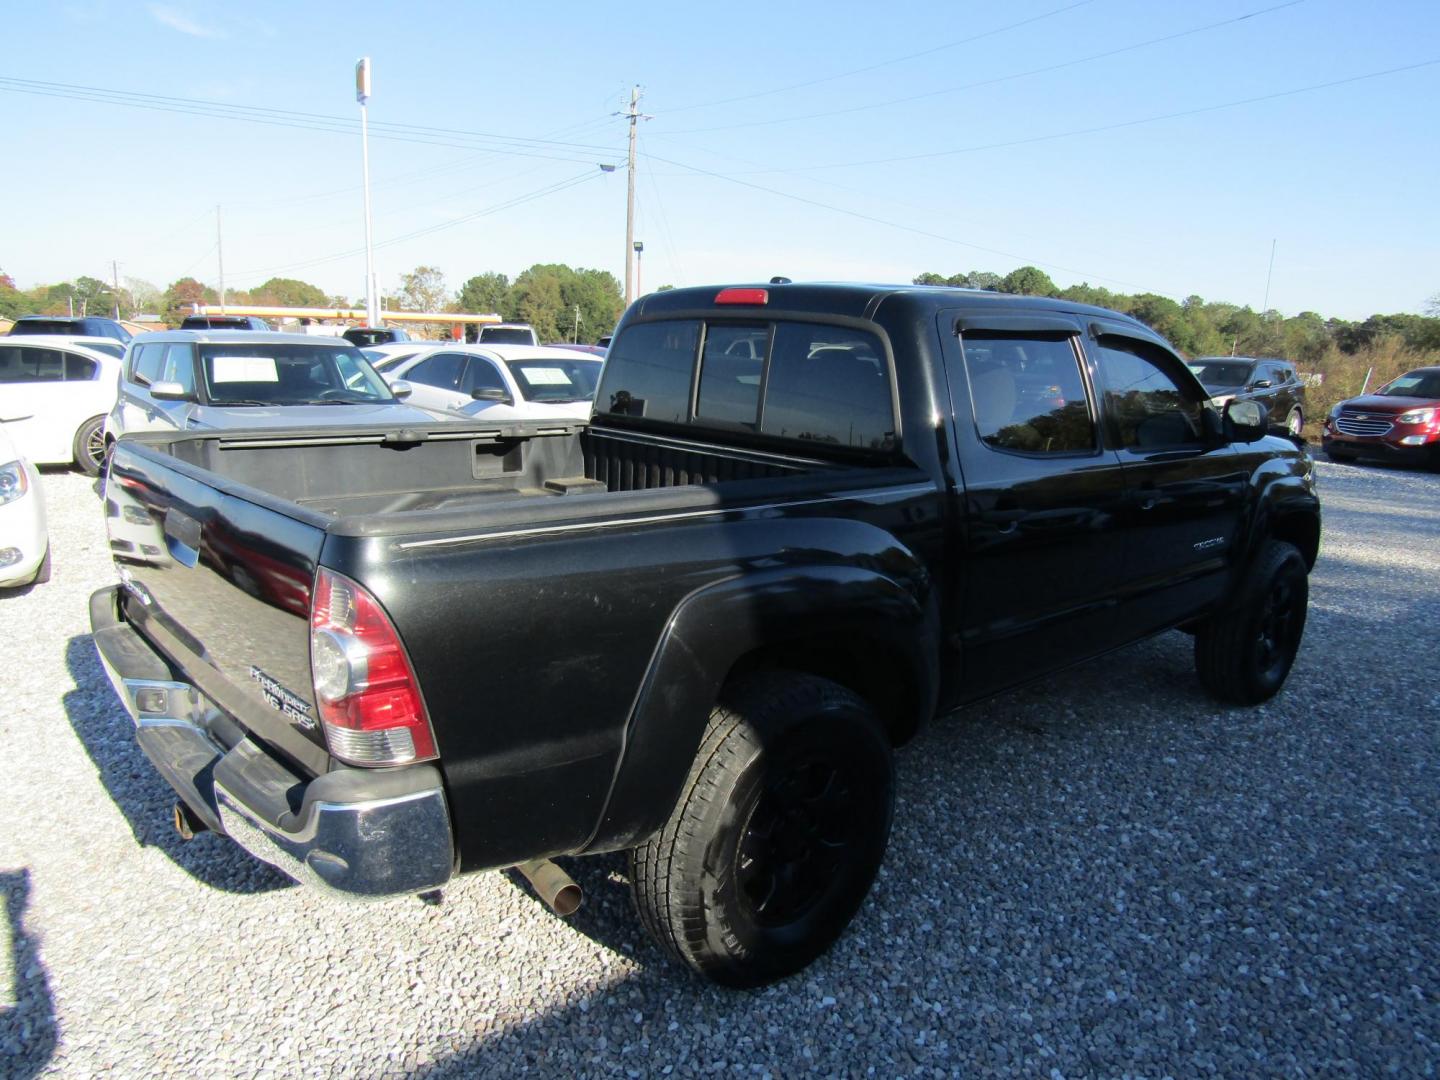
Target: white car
502,382
391,354
56,392
24,540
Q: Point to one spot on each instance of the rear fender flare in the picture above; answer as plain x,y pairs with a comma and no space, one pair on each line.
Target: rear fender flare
713,628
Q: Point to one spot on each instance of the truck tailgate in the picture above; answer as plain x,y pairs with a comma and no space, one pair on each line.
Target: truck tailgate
221,583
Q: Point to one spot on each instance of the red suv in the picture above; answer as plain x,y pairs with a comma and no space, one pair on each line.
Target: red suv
1400,421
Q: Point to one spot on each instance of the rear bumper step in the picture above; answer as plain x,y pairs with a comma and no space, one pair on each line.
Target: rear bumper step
358,832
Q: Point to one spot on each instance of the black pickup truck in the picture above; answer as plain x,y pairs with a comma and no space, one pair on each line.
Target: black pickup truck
802,521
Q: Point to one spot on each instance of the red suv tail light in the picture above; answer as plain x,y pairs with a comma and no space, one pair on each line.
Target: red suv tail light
369,700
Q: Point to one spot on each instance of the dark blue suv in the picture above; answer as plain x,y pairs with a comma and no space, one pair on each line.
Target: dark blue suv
79,326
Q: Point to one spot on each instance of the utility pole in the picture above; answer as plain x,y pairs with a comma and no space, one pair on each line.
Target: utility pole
1268,274
633,114
115,286
576,339
220,251
362,95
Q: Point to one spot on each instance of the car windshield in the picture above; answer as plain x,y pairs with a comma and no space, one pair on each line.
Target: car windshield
109,348
1419,384
384,361
1222,372
557,380
253,373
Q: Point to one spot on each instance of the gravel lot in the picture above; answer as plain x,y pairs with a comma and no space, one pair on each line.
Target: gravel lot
1103,876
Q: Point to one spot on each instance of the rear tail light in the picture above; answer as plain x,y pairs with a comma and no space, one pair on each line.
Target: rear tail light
743,296
370,704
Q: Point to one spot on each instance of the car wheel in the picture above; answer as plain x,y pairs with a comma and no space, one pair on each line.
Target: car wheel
1244,654
89,447
1295,422
777,836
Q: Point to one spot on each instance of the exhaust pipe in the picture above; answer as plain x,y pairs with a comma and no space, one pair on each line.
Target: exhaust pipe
555,887
187,823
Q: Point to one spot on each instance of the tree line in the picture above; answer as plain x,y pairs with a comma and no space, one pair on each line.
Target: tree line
562,303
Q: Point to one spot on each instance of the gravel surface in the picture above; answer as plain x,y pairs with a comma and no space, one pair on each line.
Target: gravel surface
1103,876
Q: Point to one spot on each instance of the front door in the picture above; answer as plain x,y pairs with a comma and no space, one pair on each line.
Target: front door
1185,484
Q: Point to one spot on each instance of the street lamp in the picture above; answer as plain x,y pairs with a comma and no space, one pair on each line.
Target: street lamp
639,250
362,95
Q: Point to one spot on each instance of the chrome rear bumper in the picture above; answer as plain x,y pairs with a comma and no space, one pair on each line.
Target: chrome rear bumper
358,832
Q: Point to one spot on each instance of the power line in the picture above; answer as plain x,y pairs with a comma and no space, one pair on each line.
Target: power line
508,204
890,224
991,81
517,146
1109,127
884,63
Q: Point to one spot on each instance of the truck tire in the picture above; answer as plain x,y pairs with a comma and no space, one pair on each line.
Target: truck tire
89,447
1243,655
778,833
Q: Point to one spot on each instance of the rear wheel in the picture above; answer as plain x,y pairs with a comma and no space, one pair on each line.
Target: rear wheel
89,446
1244,655
1295,422
778,833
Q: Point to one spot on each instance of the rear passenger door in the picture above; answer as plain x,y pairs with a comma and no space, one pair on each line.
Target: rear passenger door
1038,555
1185,485
32,399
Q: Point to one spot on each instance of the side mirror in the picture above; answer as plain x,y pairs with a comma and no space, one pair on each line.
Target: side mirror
1261,384
401,389
492,394
171,391
1244,421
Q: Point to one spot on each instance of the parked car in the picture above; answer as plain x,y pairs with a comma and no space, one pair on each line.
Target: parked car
1398,422
1273,383
506,334
708,614
501,382
24,538
365,336
56,392
224,322
391,354
181,380
71,326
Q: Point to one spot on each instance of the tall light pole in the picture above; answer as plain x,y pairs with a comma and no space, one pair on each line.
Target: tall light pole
220,255
362,95
633,115
639,251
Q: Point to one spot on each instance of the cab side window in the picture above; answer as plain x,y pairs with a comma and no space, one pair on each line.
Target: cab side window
443,371
79,368
179,367
1148,407
26,364
147,364
481,375
1028,393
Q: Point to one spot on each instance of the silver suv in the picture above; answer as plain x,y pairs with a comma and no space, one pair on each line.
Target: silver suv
182,380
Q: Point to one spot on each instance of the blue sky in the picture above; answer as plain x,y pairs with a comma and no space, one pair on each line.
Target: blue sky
817,140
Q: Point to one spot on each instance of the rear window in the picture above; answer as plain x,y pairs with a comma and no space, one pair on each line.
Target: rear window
790,380
48,326
25,364
506,335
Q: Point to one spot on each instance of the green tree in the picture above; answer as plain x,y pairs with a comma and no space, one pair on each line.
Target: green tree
289,292
13,302
423,289
143,296
548,294
1028,281
483,293
179,295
